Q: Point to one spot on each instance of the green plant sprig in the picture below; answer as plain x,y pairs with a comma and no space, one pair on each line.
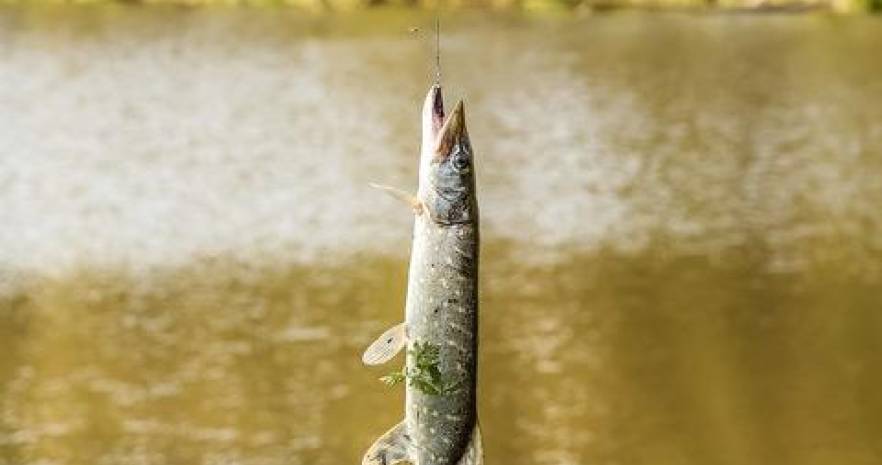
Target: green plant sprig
425,375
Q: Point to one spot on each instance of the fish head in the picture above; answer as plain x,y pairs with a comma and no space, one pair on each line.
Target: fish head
447,175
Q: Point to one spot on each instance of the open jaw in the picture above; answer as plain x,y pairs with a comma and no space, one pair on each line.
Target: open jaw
440,133
437,108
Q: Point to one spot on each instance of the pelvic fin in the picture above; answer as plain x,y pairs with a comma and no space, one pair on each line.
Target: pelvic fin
474,453
386,346
390,449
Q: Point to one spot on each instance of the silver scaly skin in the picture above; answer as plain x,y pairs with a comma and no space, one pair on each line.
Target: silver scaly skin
440,426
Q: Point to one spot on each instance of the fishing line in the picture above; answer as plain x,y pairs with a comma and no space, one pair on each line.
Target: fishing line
437,49
416,31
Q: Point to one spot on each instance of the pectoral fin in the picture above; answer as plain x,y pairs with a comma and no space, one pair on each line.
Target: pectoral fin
410,199
386,346
474,454
390,449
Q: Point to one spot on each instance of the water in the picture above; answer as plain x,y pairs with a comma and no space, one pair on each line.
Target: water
682,256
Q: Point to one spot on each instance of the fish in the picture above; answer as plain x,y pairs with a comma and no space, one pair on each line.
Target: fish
440,330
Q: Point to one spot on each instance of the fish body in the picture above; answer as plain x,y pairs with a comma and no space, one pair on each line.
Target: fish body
441,316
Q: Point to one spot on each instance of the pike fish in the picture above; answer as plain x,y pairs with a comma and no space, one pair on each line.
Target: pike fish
440,331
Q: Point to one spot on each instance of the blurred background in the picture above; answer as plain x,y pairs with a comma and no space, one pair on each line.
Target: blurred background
682,255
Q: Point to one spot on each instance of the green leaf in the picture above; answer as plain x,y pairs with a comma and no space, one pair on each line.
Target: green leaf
426,374
393,378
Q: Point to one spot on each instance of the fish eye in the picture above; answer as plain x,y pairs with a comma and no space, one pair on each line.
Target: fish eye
460,160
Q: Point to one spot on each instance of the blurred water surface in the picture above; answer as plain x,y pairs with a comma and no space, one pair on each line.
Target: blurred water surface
682,255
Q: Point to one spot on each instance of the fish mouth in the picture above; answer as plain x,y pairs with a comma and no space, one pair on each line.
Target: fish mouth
437,108
441,131
452,131
433,115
